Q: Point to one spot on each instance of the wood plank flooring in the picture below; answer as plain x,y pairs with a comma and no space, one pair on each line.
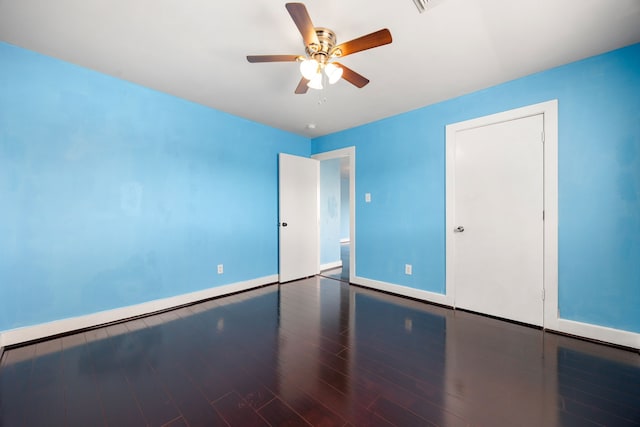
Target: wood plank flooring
318,352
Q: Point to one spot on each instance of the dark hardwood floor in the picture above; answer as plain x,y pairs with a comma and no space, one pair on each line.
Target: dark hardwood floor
318,352
340,273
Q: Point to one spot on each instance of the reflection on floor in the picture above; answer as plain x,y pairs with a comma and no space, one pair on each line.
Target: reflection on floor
341,273
318,352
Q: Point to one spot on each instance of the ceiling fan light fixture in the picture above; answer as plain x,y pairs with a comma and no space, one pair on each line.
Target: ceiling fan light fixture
316,82
309,68
321,49
333,72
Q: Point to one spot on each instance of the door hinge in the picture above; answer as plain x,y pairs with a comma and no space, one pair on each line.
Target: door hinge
542,294
542,136
543,215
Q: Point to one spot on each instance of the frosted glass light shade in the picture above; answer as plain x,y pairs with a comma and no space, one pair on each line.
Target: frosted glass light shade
309,68
316,82
333,72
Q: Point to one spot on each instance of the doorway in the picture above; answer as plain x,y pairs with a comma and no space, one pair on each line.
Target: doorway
501,227
343,238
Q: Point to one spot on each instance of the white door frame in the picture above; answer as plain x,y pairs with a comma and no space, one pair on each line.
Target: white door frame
549,110
350,153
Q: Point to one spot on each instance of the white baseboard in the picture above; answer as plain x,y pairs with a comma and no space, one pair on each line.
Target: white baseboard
331,265
44,330
584,330
403,290
599,333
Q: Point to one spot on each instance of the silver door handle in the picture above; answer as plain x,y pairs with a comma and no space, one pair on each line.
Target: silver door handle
458,229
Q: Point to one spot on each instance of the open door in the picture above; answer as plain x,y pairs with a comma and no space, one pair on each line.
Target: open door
298,223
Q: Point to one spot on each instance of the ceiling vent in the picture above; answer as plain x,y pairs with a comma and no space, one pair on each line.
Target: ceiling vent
423,5
420,4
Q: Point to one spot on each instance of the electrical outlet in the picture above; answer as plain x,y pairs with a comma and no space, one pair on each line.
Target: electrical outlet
220,268
408,269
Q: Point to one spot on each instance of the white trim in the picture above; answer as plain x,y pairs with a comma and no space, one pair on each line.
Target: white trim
403,290
44,330
350,153
331,265
319,268
600,333
551,320
585,330
549,110
550,213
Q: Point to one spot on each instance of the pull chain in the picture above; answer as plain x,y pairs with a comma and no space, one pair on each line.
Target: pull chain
321,98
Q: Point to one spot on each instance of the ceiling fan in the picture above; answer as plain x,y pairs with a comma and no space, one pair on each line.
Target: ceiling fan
321,51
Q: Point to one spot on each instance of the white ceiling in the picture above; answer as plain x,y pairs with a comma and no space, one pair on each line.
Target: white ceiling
196,49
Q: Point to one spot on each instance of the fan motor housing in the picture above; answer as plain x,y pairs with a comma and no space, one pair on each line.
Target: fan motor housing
325,49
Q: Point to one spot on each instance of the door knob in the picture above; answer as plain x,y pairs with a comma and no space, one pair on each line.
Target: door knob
284,224
458,229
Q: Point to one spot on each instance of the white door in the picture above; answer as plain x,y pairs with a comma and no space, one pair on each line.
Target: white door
298,207
499,228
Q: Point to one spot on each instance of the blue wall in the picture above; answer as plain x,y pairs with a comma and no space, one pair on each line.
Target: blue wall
112,194
344,209
329,211
401,162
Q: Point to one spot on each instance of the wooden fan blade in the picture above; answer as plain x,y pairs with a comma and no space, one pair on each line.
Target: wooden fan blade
352,77
302,87
378,38
272,58
302,20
